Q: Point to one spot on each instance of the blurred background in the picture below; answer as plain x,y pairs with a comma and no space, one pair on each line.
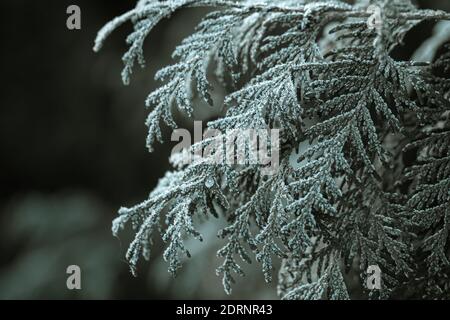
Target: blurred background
72,151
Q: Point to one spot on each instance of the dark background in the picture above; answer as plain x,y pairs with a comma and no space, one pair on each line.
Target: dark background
72,141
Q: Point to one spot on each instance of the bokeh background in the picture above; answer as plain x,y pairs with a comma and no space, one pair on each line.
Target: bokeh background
72,151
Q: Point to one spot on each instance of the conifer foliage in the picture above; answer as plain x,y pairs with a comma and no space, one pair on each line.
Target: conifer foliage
364,172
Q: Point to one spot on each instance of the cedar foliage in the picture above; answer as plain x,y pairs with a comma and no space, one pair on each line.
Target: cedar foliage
364,173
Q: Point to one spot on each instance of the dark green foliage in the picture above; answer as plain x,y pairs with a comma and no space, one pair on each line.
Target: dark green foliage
344,197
